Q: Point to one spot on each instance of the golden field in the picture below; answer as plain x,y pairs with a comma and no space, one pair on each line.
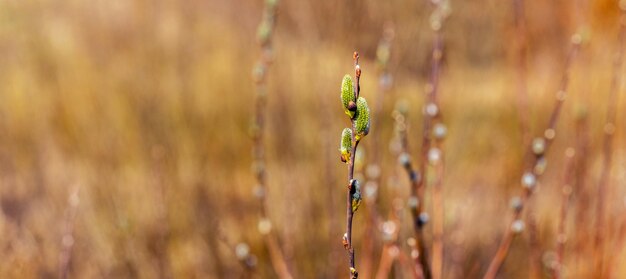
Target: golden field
125,147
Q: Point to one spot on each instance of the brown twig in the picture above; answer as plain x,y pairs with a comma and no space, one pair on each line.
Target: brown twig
387,257
561,236
265,31
68,239
432,151
607,148
415,202
621,240
522,68
521,48
391,228
533,242
391,249
539,147
581,191
352,183
373,170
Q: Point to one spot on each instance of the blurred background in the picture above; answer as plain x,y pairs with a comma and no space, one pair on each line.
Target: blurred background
124,146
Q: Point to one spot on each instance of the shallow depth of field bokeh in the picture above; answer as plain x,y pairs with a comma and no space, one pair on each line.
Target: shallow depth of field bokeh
128,123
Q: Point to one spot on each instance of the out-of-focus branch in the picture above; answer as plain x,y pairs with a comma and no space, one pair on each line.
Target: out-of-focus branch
434,133
68,239
561,236
391,248
539,148
607,149
420,252
265,32
521,49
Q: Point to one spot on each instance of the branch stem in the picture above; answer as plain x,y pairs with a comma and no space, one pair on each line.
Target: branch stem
279,263
607,148
549,134
355,144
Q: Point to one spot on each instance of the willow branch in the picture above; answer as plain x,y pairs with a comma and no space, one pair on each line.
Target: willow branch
415,203
265,32
523,111
432,151
581,188
352,183
561,236
539,147
391,248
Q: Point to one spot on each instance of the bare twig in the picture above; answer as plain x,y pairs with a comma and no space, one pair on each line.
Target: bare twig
522,67
432,151
265,32
391,228
415,201
533,242
561,236
581,190
607,148
521,48
68,239
621,240
391,249
539,147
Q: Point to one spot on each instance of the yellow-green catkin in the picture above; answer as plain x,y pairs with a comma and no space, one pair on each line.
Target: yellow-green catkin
362,119
346,145
347,96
